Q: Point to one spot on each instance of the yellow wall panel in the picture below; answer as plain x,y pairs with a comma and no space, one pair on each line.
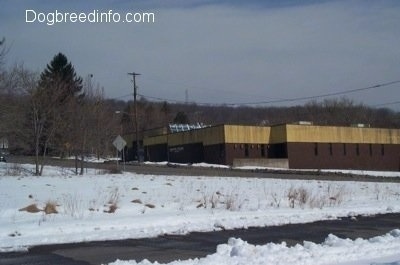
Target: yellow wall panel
278,134
247,134
332,134
160,139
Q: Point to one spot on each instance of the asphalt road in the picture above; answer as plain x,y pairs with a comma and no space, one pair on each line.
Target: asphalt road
172,247
206,171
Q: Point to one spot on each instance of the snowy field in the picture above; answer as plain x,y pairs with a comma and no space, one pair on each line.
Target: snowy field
103,206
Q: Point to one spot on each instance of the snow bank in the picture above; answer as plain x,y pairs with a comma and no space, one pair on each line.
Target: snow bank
393,174
333,251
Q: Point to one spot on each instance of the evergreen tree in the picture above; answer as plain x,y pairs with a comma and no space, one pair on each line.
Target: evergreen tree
60,78
54,105
181,117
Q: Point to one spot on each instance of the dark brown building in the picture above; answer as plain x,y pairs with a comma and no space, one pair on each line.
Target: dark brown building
288,145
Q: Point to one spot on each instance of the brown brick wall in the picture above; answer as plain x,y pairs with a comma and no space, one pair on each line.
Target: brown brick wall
344,156
215,154
244,151
188,153
156,153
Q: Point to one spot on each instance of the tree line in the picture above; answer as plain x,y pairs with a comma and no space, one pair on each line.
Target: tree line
57,112
336,111
53,113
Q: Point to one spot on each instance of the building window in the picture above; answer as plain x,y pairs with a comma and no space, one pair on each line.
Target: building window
330,149
370,149
382,149
357,149
262,150
221,150
344,149
246,150
316,149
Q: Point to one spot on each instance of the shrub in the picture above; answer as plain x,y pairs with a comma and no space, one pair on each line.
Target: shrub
109,169
113,201
111,209
14,170
298,195
50,207
231,202
73,205
292,196
114,196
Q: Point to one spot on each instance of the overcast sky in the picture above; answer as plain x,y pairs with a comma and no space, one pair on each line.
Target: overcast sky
220,51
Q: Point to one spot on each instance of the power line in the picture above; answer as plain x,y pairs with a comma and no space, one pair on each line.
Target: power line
123,96
186,86
287,99
319,96
387,103
166,99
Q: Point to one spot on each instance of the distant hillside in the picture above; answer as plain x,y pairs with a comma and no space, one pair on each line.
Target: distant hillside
329,112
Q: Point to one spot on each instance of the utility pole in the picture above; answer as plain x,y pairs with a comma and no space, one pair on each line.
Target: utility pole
133,74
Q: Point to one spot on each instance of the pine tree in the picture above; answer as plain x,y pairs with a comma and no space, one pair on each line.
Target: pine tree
60,78
181,118
54,105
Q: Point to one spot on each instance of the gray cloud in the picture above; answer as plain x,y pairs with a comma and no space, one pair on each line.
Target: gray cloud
224,53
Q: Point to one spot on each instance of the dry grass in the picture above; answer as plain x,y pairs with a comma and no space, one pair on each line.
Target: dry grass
137,201
149,205
109,169
298,195
232,202
113,200
73,205
15,170
302,197
32,208
113,169
114,196
111,208
201,205
50,207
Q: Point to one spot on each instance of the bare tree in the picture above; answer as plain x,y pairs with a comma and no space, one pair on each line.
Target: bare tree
3,51
13,105
91,125
45,118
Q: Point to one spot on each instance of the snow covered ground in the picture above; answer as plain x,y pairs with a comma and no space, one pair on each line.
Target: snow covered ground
103,206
